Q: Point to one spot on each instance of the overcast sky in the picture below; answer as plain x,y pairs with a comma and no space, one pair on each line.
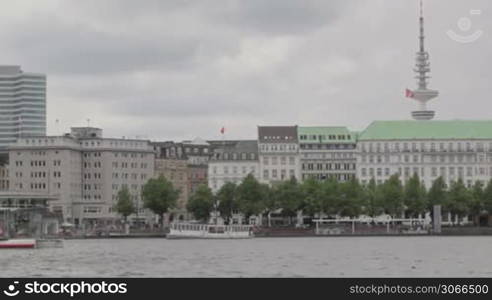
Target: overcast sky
181,69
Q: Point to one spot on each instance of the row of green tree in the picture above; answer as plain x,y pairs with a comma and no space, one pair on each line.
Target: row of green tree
344,199
313,197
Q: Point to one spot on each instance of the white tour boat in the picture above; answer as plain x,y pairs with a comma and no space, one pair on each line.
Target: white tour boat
209,231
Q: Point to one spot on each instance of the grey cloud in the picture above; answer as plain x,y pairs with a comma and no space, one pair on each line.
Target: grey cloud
53,45
280,16
257,16
178,69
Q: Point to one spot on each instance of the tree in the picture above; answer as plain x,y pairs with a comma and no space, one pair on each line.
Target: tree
289,197
329,196
201,203
372,199
477,205
270,201
415,196
226,197
351,198
392,196
311,197
160,196
459,199
437,194
124,205
251,197
487,197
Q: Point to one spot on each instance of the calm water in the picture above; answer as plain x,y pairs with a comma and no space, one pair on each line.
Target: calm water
260,257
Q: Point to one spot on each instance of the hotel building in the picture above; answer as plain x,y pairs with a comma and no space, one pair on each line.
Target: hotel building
451,149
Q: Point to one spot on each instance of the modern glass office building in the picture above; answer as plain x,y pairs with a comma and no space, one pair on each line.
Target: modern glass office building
22,104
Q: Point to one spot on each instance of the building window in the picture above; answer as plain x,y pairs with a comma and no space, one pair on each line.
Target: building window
442,171
460,172
451,171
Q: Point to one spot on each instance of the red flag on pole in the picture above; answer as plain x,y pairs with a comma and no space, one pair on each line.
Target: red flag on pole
409,93
222,130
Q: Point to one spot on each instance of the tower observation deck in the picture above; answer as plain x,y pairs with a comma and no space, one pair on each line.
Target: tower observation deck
422,67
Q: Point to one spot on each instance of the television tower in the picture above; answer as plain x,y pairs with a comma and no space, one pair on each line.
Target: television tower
422,66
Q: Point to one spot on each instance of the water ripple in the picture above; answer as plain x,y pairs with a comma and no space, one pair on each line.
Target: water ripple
261,257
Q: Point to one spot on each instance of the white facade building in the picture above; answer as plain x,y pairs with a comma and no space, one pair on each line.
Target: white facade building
85,170
232,161
22,104
278,151
450,149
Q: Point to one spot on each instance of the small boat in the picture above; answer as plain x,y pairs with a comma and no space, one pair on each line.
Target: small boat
18,243
209,231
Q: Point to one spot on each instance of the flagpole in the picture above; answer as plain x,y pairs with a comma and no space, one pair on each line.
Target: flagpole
222,131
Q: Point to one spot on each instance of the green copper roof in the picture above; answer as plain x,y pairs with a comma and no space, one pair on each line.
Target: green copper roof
325,135
456,129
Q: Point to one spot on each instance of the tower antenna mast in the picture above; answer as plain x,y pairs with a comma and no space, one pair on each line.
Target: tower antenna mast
422,67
